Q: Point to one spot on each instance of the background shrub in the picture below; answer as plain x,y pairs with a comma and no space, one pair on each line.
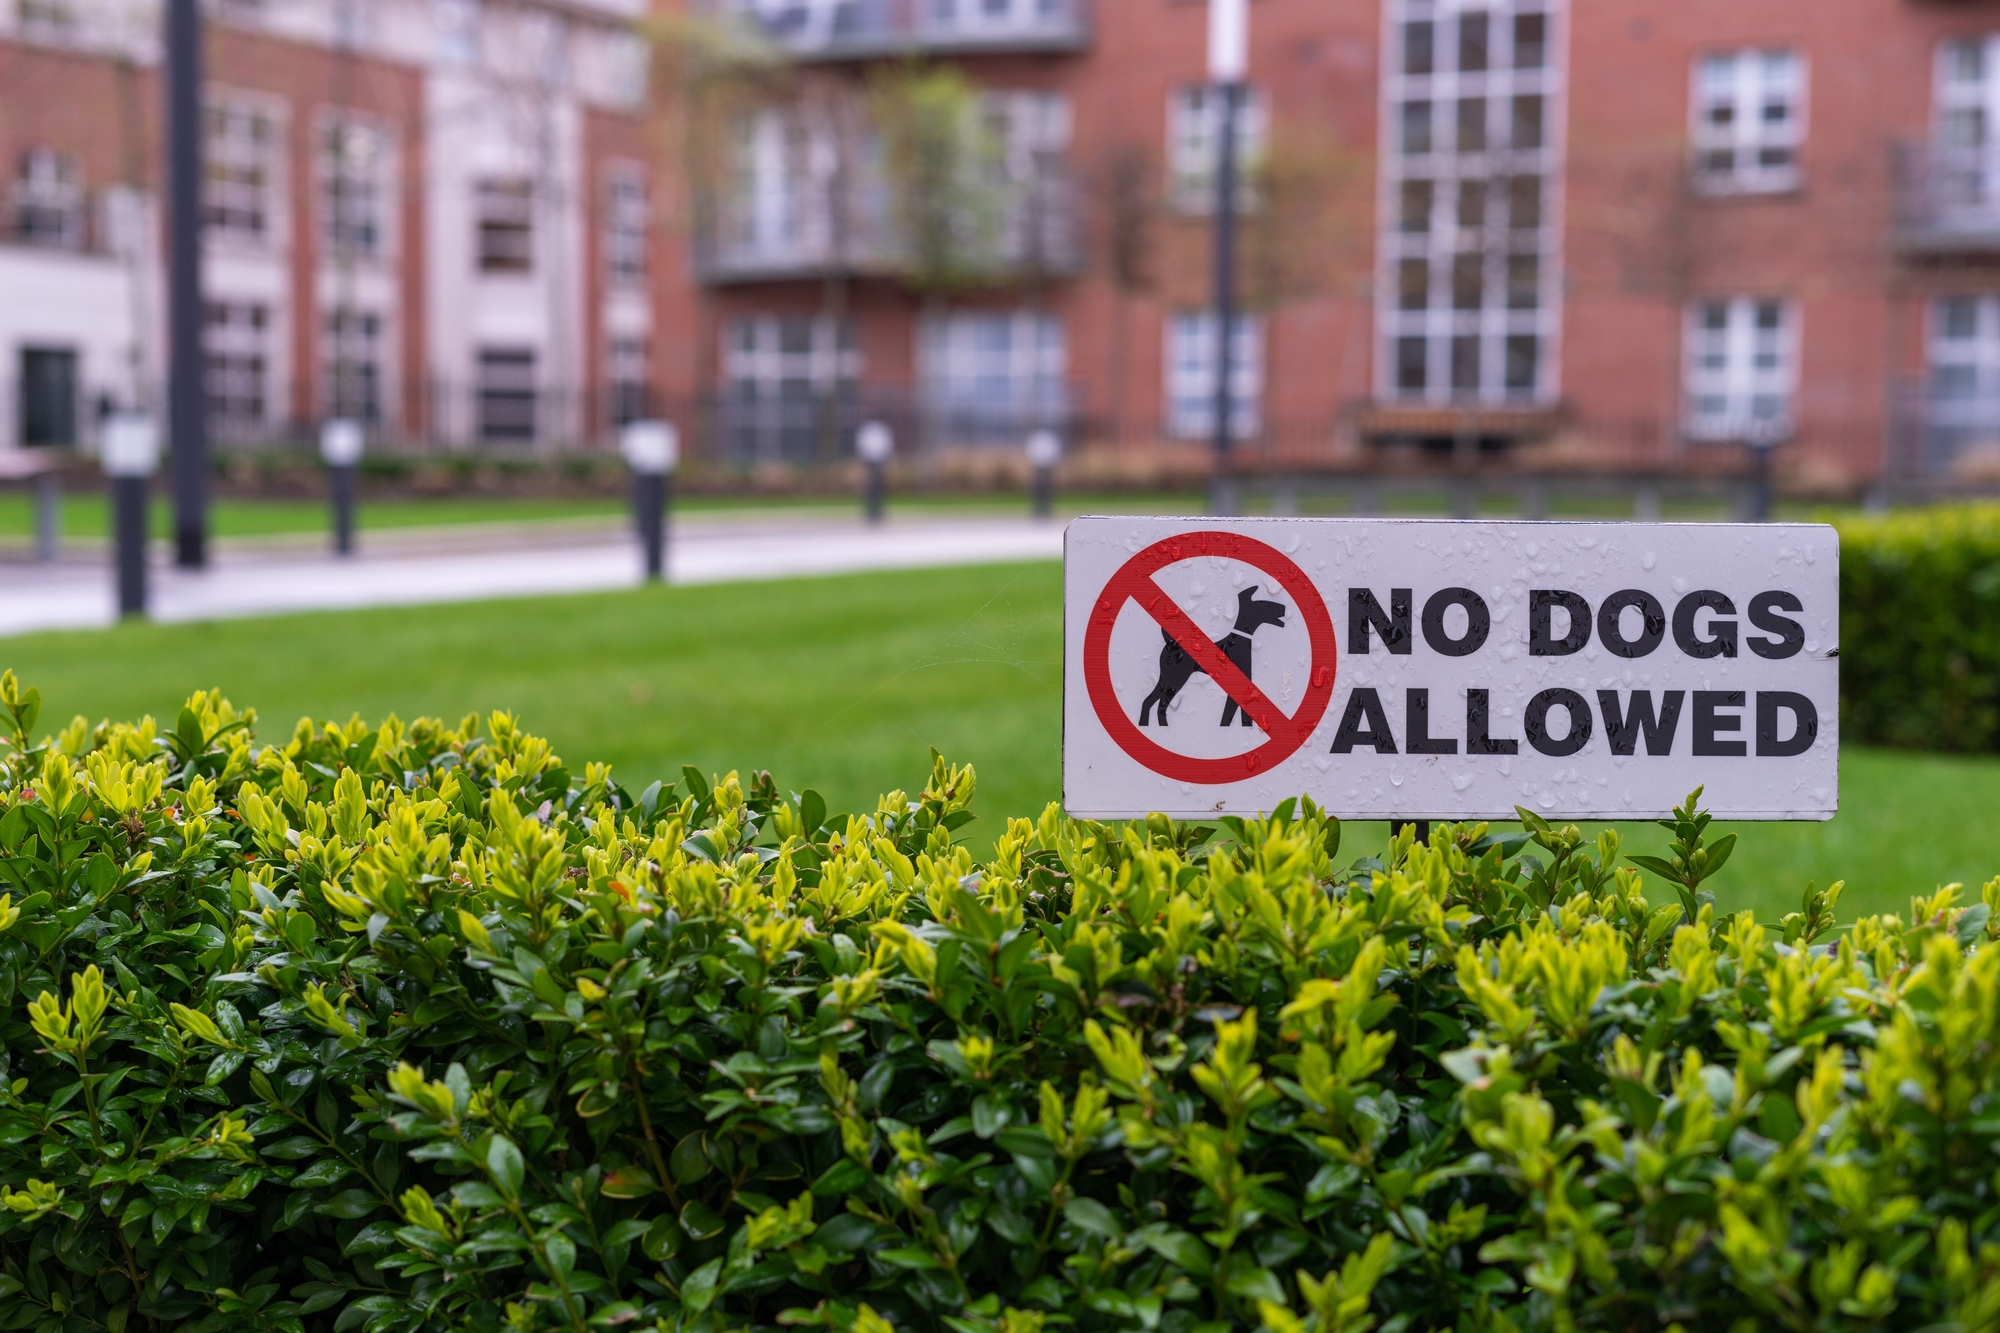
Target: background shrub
414,1027
1920,628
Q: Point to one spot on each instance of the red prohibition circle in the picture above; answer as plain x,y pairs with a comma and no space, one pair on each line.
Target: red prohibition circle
1134,581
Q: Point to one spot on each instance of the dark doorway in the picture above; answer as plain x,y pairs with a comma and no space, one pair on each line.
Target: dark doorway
48,396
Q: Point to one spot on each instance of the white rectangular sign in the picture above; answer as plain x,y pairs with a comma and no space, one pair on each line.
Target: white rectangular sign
1435,669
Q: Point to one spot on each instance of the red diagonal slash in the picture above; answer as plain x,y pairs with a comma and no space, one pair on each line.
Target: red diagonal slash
1153,599
1133,581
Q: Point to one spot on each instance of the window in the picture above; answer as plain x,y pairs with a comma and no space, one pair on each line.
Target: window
506,226
48,396
973,18
1740,365
1032,132
1749,120
236,350
507,394
627,383
351,354
241,168
779,205
48,200
1190,379
457,24
1963,167
1963,390
1194,129
46,20
1468,307
625,227
789,385
992,375
353,164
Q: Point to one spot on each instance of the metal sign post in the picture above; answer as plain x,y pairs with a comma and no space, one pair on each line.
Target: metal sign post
1417,670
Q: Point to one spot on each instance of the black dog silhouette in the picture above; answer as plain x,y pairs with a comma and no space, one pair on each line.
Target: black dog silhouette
1176,666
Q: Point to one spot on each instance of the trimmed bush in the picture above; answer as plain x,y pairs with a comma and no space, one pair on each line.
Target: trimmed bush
1920,628
413,1027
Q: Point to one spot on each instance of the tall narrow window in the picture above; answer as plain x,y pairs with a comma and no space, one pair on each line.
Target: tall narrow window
351,369
625,226
506,221
628,386
241,167
1749,120
1962,405
236,346
48,200
1740,365
1192,364
992,375
507,394
1194,131
1468,307
352,166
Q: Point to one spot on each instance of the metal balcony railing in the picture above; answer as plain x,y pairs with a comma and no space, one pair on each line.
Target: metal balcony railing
859,29
1038,235
1944,442
1947,198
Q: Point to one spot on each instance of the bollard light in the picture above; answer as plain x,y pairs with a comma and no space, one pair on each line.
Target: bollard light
130,453
1044,450
875,446
341,442
652,449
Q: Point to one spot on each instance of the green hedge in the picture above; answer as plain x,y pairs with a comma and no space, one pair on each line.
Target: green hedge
414,1027
1920,628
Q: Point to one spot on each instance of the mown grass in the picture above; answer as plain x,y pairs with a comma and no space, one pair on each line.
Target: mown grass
844,684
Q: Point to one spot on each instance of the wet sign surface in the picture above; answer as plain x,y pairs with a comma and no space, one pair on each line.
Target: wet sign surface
1417,669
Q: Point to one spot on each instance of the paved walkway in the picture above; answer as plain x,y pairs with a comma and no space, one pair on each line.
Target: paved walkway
475,562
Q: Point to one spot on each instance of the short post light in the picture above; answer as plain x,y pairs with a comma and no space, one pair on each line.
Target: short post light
131,455
875,446
340,445
652,449
1044,449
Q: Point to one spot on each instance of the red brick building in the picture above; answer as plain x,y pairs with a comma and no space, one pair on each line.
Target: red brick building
1631,234
1499,233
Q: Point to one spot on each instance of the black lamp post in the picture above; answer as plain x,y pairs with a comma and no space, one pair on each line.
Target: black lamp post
652,450
130,454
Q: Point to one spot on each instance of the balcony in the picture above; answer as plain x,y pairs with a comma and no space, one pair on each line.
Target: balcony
1035,236
1947,199
862,29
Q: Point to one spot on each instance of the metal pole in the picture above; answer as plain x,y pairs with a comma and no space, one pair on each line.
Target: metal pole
874,489
341,478
649,507
187,411
48,514
128,506
1222,496
1760,483
1045,491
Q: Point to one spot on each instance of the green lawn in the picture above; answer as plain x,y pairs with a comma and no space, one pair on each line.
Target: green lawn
843,684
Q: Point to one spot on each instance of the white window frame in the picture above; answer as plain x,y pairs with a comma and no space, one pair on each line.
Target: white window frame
979,384
358,155
243,161
354,365
507,374
1738,381
628,379
1189,375
239,355
626,225
49,197
1973,413
773,397
1194,126
510,202
1748,153
1471,354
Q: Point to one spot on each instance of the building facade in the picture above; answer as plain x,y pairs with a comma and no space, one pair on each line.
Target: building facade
1624,236
1632,236
426,215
